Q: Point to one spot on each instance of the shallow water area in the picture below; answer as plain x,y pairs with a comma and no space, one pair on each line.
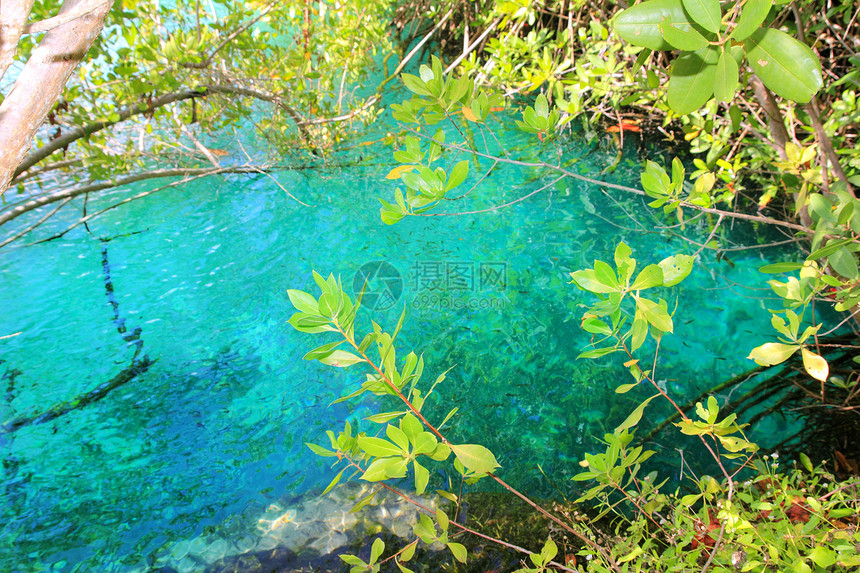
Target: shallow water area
184,294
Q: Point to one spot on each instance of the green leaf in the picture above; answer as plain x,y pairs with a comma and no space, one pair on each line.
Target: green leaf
384,468
442,519
384,417
639,330
303,301
650,276
655,314
441,453
676,268
341,359
604,274
549,551
541,106
683,40
640,24
780,268
397,436
844,262
692,81
772,353
655,181
595,326
788,67
624,388
752,16
323,351
829,249
475,458
459,551
736,116
320,451
726,77
408,551
597,352
334,482
425,443
705,13
823,556
422,477
411,426
587,280
415,84
634,416
377,447
458,174
352,560
376,550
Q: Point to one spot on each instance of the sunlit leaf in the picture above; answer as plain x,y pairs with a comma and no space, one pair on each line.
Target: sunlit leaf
634,416
378,447
475,458
458,174
706,13
676,268
650,276
655,314
752,16
682,39
780,268
459,551
772,353
341,359
815,365
640,24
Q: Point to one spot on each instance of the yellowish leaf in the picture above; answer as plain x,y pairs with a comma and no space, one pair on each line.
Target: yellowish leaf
469,114
398,171
815,365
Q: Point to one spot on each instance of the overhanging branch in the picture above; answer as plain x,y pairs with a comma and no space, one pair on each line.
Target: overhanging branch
142,108
79,132
73,192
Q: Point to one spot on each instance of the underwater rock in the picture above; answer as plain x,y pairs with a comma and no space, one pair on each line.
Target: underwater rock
271,561
295,533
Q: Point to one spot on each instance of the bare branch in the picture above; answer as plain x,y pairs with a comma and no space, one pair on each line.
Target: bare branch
79,132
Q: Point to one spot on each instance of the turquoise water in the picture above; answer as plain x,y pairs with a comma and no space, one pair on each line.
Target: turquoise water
212,432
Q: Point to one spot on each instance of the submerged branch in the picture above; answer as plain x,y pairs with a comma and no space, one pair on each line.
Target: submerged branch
137,367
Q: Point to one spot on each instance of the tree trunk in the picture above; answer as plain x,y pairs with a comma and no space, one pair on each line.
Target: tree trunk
13,17
41,82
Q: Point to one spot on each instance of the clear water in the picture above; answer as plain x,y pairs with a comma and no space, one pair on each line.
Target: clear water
213,432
